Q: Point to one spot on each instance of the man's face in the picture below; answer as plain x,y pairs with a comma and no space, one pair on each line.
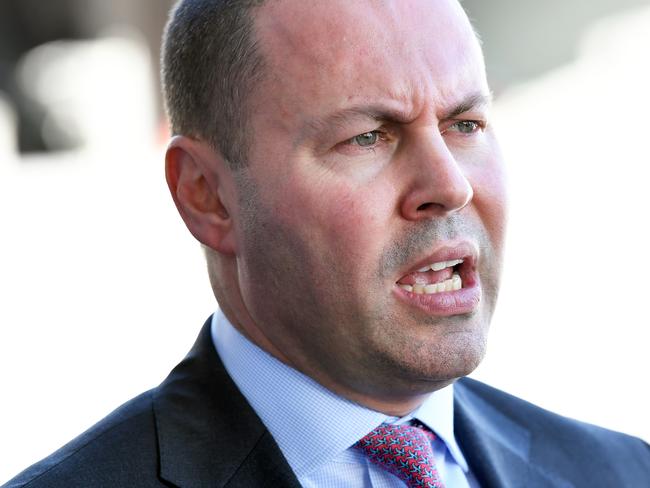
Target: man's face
372,157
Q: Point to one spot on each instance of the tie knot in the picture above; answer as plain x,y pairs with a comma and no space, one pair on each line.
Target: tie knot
404,450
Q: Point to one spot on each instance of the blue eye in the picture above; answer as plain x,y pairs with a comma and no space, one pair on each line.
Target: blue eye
467,126
366,139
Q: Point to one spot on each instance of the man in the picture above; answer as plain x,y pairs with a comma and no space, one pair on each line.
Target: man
337,162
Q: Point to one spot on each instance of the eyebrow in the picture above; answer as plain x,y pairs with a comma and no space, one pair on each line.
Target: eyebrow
472,102
342,117
383,113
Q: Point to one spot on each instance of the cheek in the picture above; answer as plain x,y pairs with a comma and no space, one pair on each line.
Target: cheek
488,180
344,222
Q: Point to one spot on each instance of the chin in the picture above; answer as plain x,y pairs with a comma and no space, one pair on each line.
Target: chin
434,363
455,358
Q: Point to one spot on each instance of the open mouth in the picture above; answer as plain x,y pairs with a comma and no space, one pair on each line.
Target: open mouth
438,277
445,283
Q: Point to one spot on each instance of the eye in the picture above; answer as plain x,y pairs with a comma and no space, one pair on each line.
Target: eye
467,126
366,139
372,142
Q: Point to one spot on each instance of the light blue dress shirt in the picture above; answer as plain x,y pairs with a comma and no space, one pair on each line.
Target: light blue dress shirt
316,429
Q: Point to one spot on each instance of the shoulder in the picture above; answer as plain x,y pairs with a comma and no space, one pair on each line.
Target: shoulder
120,450
557,438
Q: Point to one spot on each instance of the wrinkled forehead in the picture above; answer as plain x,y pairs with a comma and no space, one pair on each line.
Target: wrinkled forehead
349,42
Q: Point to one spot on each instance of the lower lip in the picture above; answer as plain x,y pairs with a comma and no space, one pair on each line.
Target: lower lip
447,303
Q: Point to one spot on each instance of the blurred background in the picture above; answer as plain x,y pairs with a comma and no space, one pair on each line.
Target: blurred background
102,289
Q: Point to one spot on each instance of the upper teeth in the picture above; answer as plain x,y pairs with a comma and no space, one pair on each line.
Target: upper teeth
452,284
441,265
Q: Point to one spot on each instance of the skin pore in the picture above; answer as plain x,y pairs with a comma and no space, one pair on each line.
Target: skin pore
371,149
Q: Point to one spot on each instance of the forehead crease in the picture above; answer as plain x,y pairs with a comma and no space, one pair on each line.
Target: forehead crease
402,50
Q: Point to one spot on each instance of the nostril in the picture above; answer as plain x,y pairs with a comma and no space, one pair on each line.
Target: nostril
425,206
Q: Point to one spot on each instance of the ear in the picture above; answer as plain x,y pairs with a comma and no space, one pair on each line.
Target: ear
202,187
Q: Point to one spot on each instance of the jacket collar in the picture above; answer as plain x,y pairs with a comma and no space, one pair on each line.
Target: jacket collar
497,448
208,435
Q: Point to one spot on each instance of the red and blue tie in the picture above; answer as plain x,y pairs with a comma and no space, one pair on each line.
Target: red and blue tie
405,451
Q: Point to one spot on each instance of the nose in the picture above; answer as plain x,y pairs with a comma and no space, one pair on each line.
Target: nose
437,185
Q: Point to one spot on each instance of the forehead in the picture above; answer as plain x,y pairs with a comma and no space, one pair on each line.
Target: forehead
341,52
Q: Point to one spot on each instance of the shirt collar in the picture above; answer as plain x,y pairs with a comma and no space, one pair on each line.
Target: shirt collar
295,408
437,413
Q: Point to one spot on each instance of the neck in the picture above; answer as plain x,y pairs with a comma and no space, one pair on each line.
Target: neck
390,403
393,398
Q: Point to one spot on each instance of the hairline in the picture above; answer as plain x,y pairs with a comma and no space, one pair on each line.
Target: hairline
210,65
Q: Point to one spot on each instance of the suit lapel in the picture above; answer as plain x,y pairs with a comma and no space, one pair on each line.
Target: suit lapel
264,467
498,450
208,434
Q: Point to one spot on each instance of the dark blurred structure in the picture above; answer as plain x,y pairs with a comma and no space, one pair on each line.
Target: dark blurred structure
25,24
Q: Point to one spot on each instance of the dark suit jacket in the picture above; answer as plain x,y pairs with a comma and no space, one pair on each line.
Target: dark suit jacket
197,430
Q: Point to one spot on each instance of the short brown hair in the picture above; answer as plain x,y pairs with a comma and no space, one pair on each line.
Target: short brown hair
210,63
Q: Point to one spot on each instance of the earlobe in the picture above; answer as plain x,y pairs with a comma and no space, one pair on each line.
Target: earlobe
201,184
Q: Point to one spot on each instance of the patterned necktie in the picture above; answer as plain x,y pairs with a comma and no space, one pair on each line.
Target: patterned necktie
405,451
